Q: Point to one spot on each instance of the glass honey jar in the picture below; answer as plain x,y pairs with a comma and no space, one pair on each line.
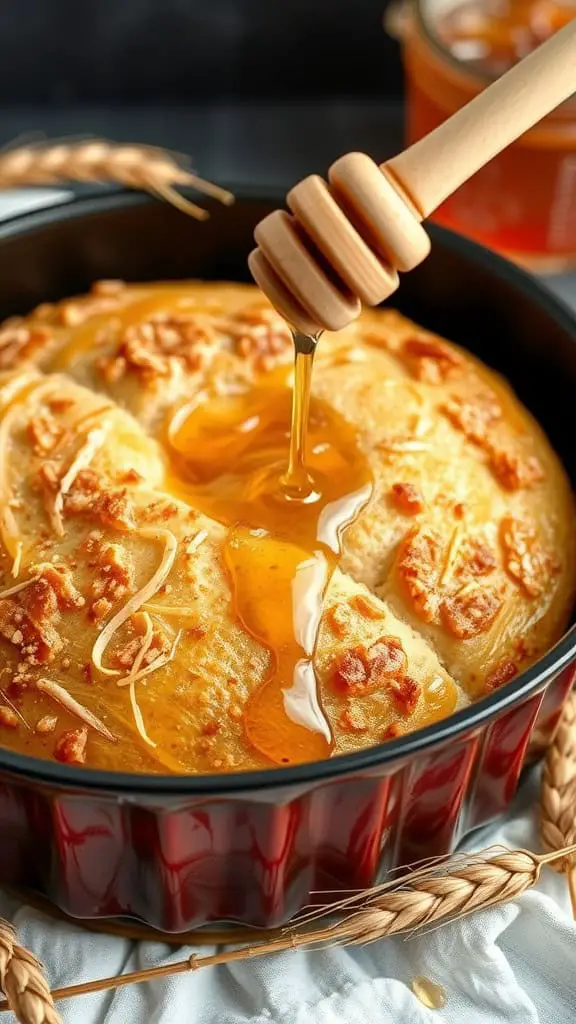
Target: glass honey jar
523,203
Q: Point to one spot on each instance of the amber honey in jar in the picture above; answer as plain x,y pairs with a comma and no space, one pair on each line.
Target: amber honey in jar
523,203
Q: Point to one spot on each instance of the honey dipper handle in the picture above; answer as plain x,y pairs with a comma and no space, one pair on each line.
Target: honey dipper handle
433,168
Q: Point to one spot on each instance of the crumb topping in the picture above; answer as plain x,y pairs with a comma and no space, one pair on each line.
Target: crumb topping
151,349
261,337
19,342
470,611
430,359
44,433
419,567
113,570
90,495
441,587
366,606
405,693
353,719
71,747
515,471
381,666
476,559
8,717
46,724
503,673
526,559
338,619
475,418
407,498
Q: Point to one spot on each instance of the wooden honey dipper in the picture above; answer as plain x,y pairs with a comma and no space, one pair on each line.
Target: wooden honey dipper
347,240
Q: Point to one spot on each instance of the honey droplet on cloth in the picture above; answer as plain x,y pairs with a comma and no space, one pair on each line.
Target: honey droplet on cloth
429,993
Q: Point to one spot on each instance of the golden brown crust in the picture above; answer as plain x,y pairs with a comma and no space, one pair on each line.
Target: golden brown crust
466,545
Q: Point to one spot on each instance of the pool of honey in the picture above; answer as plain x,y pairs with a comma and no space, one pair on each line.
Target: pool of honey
287,478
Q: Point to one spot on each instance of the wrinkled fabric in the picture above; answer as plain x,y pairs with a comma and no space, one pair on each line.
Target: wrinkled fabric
510,965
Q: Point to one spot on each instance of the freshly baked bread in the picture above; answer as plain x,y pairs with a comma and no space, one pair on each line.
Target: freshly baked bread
122,642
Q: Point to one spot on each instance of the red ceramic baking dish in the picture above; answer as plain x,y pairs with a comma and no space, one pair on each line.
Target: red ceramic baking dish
184,851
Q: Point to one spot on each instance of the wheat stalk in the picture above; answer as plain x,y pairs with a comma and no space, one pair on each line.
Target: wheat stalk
135,166
441,892
558,795
23,983
7,940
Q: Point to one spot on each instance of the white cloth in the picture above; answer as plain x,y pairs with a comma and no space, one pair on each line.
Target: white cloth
511,965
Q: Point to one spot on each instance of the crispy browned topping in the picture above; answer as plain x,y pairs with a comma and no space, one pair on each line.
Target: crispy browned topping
71,747
387,658
159,511
338,619
90,495
129,476
35,637
151,349
526,560
515,471
473,418
419,565
114,572
57,403
430,359
46,724
8,717
392,731
29,621
350,671
19,342
470,611
353,720
407,498
159,644
261,337
44,433
59,578
429,580
99,609
126,655
503,673
406,692
366,606
211,728
476,559
362,670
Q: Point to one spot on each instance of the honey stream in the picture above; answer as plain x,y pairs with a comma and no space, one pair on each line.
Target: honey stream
285,474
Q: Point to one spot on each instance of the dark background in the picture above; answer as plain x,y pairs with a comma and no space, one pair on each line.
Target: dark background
78,51
256,90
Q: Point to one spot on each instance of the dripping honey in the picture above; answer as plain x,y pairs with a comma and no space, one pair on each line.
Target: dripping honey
283,471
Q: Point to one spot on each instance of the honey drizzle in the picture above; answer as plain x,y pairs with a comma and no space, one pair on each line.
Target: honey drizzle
229,458
297,481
